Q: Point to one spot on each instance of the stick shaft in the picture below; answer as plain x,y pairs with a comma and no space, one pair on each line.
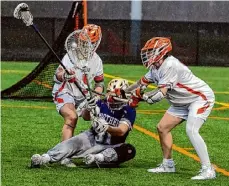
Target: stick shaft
40,35
57,57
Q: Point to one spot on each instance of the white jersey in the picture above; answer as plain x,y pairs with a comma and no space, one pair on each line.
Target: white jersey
95,67
183,86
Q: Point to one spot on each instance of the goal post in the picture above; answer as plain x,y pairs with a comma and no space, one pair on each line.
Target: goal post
38,84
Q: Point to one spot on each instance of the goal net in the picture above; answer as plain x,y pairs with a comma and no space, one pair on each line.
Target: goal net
38,84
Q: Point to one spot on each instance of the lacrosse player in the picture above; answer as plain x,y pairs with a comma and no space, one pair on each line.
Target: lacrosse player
66,95
191,99
104,143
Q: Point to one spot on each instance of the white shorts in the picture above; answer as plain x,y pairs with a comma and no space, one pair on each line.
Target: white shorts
62,99
200,109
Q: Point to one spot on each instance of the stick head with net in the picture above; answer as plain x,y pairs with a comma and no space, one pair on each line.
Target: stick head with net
22,12
79,47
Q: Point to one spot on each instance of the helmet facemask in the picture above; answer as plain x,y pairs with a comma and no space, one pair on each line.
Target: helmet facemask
79,47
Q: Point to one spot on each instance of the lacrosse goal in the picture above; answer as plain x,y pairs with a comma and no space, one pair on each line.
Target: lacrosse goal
38,84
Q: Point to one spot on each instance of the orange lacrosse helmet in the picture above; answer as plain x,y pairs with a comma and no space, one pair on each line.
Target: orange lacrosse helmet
154,50
95,34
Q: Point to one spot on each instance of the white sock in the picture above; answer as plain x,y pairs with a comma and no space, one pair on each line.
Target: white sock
168,162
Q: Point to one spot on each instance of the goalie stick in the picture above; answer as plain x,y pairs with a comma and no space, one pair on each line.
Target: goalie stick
22,12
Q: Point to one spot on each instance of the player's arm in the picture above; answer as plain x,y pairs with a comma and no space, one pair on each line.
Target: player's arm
99,87
61,75
121,130
99,83
99,77
100,125
124,126
135,91
167,81
155,95
140,84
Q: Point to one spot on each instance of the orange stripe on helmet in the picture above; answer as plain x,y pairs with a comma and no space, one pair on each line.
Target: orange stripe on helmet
154,50
94,32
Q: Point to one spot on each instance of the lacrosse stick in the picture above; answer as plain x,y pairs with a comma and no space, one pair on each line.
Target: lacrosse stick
22,12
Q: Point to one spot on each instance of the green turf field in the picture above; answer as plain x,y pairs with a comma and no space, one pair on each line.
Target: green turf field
34,127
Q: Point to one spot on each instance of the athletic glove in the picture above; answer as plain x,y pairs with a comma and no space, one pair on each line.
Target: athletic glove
99,125
153,96
69,77
135,97
91,102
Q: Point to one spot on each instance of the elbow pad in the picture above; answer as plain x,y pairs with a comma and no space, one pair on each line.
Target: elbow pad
153,96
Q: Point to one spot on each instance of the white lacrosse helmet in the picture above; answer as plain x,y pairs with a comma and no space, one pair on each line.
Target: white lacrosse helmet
114,85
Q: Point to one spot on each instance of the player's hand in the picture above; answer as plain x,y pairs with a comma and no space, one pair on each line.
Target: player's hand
153,96
99,125
147,99
69,77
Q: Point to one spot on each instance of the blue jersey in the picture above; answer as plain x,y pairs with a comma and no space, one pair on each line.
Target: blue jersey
113,118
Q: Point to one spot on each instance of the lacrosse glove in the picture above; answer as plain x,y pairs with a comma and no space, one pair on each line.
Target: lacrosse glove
91,102
99,125
69,77
153,96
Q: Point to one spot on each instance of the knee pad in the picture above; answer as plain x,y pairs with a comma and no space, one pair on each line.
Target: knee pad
125,152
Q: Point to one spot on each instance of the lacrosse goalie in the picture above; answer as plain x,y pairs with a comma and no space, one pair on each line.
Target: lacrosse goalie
66,95
104,143
191,99
84,66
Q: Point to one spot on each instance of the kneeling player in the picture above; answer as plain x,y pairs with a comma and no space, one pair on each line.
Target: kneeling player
104,143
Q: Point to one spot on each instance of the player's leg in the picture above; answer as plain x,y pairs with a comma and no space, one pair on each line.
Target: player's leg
68,112
66,149
170,120
65,105
112,155
199,111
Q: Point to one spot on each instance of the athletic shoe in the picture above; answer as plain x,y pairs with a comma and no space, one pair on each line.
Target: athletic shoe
162,168
67,162
37,160
93,158
205,174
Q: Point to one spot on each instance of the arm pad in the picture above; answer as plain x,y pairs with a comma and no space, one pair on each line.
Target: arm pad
153,96
134,86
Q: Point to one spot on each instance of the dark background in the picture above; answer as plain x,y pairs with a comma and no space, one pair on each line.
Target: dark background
199,30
